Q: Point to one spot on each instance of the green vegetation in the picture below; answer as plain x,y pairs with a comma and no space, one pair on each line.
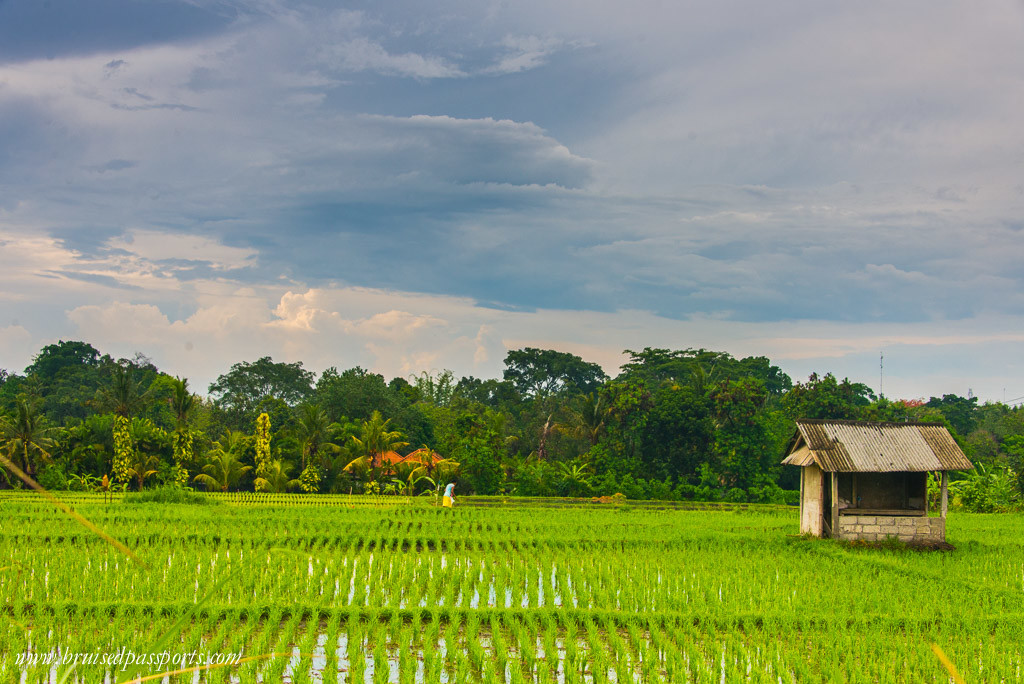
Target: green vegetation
673,425
398,590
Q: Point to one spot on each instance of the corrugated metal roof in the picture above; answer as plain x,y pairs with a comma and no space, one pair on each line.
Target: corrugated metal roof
848,446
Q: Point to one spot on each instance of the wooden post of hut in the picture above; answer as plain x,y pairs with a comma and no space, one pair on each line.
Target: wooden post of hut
945,494
877,478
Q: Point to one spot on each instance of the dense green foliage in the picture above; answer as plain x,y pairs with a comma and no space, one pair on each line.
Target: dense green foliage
673,424
512,593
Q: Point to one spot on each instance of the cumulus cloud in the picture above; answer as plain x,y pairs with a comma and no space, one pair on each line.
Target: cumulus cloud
339,326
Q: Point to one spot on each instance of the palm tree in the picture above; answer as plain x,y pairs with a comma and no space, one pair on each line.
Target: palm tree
433,472
144,465
588,418
314,431
124,396
224,468
26,436
182,402
375,440
278,478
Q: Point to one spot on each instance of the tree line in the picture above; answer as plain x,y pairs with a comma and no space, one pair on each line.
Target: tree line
673,424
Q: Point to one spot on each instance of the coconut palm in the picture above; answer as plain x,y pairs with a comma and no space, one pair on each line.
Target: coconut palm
375,440
315,431
224,467
587,419
182,402
26,436
434,473
278,478
143,465
124,395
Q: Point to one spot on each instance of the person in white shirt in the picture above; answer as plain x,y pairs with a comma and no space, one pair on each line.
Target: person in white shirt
449,495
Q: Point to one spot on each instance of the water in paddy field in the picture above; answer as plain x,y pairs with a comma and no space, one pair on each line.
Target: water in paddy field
318,671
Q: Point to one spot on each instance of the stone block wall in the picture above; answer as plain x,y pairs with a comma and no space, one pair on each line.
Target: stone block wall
879,527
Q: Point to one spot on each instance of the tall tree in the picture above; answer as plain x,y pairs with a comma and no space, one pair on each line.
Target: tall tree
743,438
702,368
262,458
959,411
124,394
545,372
588,417
239,391
65,376
182,404
679,435
827,398
355,394
314,430
123,397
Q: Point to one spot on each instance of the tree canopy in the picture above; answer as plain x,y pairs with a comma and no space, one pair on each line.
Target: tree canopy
672,424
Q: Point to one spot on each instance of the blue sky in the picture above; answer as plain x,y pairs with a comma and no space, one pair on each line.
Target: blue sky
416,186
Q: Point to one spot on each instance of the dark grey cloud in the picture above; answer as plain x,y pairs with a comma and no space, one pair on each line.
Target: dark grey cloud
159,105
48,29
114,165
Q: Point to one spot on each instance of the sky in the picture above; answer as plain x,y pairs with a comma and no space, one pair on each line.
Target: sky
412,186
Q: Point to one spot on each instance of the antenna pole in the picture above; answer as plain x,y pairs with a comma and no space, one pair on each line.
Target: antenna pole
881,374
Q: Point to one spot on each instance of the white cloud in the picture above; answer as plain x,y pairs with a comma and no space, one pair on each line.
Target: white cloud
525,53
400,334
362,54
157,246
16,345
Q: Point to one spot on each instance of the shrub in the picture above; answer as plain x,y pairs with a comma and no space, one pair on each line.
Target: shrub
686,491
52,477
662,491
606,485
633,488
736,495
770,493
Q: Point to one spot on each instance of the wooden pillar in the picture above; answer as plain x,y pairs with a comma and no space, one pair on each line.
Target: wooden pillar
803,476
945,494
835,505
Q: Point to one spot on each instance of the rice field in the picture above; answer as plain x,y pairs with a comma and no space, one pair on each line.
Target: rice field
353,589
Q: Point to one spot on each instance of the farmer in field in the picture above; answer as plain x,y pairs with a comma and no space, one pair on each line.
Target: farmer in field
449,495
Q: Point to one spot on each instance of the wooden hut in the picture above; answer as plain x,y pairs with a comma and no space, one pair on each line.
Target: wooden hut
869,481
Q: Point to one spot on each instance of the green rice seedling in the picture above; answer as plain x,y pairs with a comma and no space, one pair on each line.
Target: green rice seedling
463,672
407,660
432,662
356,658
478,657
381,655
